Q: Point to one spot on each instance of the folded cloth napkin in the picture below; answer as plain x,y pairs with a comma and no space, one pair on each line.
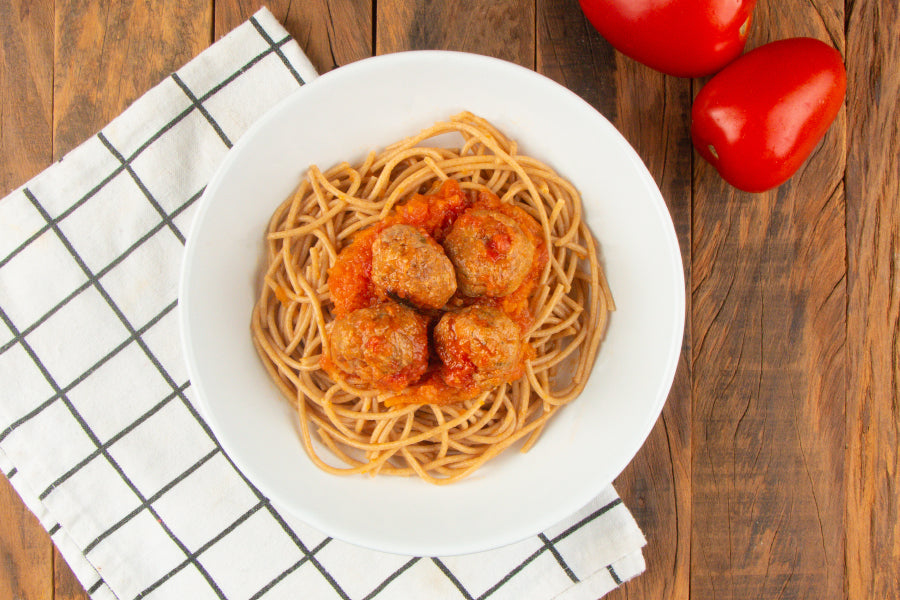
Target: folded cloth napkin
99,433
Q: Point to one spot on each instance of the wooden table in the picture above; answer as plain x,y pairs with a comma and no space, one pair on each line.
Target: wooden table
774,470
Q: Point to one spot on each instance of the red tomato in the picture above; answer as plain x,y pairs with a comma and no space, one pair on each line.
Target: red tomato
686,38
761,117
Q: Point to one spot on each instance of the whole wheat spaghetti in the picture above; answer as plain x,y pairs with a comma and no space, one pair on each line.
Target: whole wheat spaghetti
445,443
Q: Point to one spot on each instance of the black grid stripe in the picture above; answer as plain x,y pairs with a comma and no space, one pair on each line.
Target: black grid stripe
391,578
46,226
278,578
89,432
102,272
178,391
587,519
95,282
52,224
272,48
277,49
146,192
268,505
54,529
156,496
40,321
456,582
12,472
95,587
513,572
43,406
613,574
119,435
64,398
213,91
192,557
548,545
309,554
196,103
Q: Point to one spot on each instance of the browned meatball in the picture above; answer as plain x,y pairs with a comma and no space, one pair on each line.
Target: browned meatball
479,347
411,267
491,253
384,346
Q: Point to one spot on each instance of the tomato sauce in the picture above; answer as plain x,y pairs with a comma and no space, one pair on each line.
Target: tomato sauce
431,390
435,213
350,278
351,286
516,304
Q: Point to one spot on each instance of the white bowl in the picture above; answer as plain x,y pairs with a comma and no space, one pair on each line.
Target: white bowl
341,116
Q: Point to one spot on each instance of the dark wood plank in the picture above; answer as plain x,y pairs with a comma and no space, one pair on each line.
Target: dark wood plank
769,365
796,308
502,28
65,585
109,53
26,87
873,287
331,32
106,56
652,111
26,553
654,116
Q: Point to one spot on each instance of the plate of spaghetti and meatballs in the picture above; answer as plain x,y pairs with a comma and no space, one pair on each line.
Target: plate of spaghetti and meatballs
441,292
435,317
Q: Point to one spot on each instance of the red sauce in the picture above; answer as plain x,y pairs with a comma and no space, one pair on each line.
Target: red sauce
516,304
385,347
434,213
498,245
350,279
451,383
431,390
401,380
351,287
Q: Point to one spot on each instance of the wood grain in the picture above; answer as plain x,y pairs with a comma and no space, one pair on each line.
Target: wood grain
873,308
774,470
109,54
502,28
26,88
65,585
651,110
574,55
332,33
653,115
769,296
26,552
67,70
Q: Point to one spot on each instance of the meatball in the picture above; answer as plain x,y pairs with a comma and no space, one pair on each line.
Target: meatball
479,347
409,266
491,253
384,346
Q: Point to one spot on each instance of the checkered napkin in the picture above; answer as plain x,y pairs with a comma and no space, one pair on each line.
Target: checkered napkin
99,432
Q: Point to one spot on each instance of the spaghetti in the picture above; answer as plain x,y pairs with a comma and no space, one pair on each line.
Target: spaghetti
291,321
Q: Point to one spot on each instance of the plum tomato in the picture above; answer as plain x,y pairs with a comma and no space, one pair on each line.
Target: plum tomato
760,118
685,38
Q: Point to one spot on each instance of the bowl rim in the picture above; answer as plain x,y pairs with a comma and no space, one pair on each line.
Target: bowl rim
444,547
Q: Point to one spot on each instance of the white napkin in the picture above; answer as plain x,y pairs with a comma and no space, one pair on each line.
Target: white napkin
98,429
